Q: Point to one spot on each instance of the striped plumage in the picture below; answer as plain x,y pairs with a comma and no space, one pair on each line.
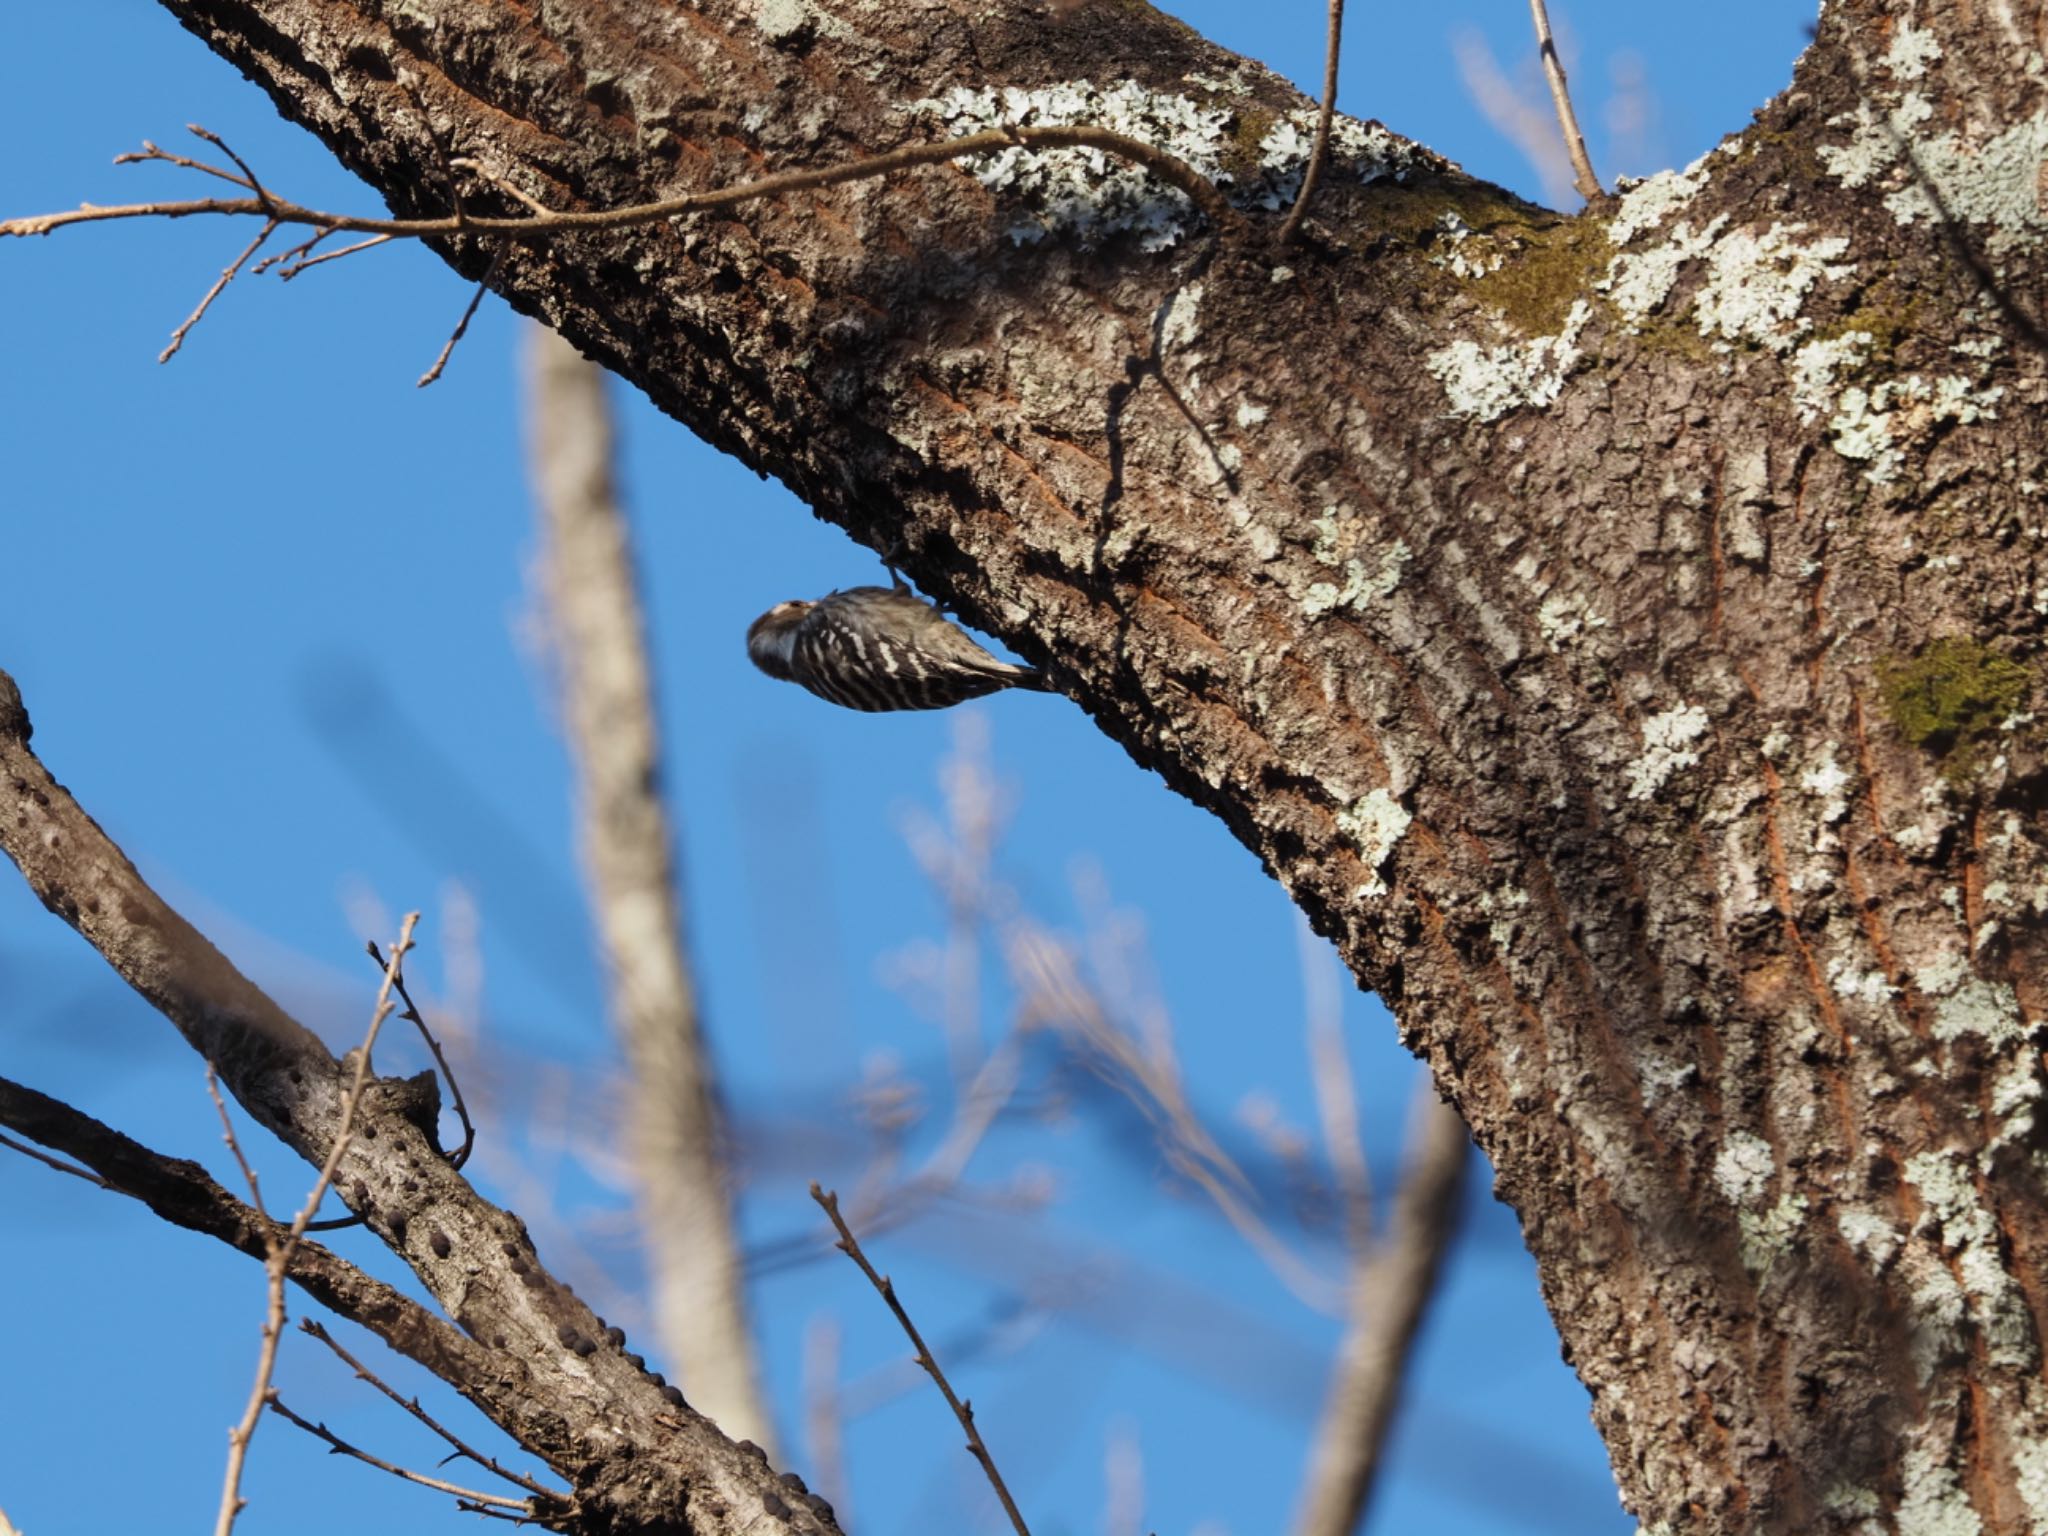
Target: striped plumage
879,648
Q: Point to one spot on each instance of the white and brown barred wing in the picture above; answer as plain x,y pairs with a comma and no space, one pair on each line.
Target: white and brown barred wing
874,648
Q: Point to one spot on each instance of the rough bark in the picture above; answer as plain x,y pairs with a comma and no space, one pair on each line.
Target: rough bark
1548,604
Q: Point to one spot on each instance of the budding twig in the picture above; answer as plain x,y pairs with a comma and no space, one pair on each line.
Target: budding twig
227,276
962,1411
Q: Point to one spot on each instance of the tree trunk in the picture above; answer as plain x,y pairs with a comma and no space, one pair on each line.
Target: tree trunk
1620,633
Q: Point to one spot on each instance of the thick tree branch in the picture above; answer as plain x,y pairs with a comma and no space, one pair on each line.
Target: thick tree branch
186,1195
636,1456
1565,611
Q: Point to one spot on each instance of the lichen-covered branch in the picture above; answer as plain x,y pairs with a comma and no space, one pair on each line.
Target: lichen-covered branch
1521,590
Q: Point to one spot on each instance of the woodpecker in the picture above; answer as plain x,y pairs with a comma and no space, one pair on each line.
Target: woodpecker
877,648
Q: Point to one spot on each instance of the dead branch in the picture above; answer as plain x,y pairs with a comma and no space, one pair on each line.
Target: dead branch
962,1410
412,1406
411,1014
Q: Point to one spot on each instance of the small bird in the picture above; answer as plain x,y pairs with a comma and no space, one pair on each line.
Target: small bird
877,648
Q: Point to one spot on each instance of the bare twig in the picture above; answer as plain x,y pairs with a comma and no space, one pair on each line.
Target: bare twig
292,269
340,1447
1321,152
249,179
1561,97
1176,172
462,325
1391,1288
227,276
150,151
279,258
412,1406
962,1411
478,168
411,1014
278,1263
60,1165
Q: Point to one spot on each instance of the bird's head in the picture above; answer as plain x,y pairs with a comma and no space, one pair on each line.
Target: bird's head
772,637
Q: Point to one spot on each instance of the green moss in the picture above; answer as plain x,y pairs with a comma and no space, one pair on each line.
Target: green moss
1882,315
1951,695
1676,337
1248,130
1536,286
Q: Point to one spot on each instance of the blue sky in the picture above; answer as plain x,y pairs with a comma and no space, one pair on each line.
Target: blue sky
270,608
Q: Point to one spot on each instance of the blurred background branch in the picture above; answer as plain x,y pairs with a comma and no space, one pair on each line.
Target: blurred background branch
679,1158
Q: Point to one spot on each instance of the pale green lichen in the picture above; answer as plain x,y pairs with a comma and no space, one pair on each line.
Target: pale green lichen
1756,284
1768,1236
1667,749
1868,1235
1375,825
1953,1212
1744,1168
1826,779
1366,580
1931,1500
1563,619
1485,383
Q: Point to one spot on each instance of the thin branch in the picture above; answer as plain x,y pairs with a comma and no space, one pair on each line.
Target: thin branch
278,1263
1321,153
208,136
60,1165
1561,96
462,325
340,1447
150,151
227,276
411,1014
412,1406
962,1411
292,269
1178,173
